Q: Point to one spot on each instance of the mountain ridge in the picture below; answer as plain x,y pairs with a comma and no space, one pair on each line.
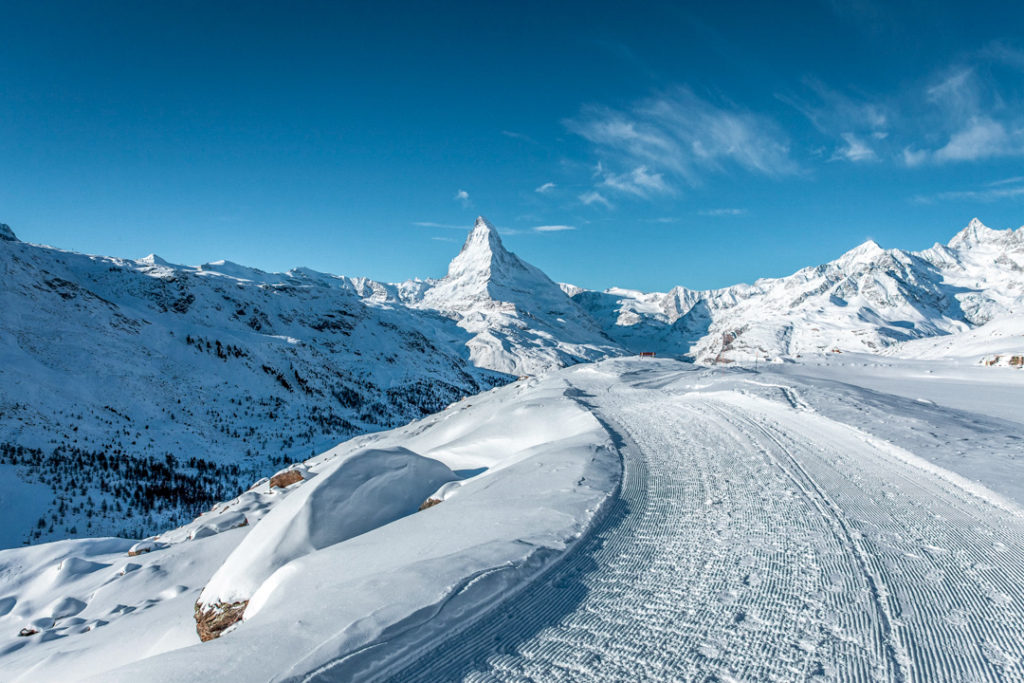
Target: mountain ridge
174,372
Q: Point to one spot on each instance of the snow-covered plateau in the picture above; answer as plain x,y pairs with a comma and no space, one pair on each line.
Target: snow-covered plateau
820,477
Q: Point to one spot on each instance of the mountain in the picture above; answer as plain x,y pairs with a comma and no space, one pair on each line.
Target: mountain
134,393
522,323
866,300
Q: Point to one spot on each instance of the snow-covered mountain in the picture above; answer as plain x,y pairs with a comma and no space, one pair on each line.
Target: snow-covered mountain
866,300
134,392
522,322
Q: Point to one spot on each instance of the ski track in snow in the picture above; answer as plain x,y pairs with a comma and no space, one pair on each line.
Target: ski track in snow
756,541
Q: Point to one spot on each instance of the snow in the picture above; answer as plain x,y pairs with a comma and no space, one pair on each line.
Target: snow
851,510
867,300
768,524
757,538
522,323
348,497
535,470
22,504
229,367
225,368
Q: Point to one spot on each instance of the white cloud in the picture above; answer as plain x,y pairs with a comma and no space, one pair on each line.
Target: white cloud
679,137
1011,188
914,157
447,226
981,138
850,119
975,119
855,149
722,212
545,188
1007,181
594,197
639,182
959,93
553,228
463,197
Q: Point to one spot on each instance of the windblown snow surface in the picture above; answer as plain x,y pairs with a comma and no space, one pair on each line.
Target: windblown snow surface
633,519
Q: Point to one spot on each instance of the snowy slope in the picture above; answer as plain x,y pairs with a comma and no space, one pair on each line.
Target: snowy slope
999,342
138,392
868,299
334,562
770,525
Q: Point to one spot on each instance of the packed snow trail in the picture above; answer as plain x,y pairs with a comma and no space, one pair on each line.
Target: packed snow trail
755,540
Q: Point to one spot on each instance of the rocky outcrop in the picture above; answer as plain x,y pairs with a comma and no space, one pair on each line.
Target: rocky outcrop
212,622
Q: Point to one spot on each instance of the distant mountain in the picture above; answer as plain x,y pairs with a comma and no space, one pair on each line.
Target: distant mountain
866,300
133,393
521,321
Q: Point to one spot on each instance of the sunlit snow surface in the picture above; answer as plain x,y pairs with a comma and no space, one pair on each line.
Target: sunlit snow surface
848,518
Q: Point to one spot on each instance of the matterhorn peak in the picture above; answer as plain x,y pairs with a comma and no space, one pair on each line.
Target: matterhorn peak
6,234
485,270
483,236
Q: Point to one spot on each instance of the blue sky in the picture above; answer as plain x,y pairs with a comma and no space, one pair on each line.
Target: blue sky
641,145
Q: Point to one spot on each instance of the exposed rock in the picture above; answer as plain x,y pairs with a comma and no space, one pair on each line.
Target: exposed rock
6,234
25,632
212,622
429,503
285,479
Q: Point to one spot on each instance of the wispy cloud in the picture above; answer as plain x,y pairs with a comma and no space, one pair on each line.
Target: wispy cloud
594,197
518,136
999,51
463,198
854,149
855,122
981,138
965,112
540,229
975,119
546,188
722,212
639,182
447,226
1009,188
678,137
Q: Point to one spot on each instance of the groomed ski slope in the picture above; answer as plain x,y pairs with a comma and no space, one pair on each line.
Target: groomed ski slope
757,540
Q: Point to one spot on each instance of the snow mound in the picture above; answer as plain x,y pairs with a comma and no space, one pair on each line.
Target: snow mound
363,491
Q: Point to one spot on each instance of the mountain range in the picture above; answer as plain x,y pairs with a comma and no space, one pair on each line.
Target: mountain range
134,393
